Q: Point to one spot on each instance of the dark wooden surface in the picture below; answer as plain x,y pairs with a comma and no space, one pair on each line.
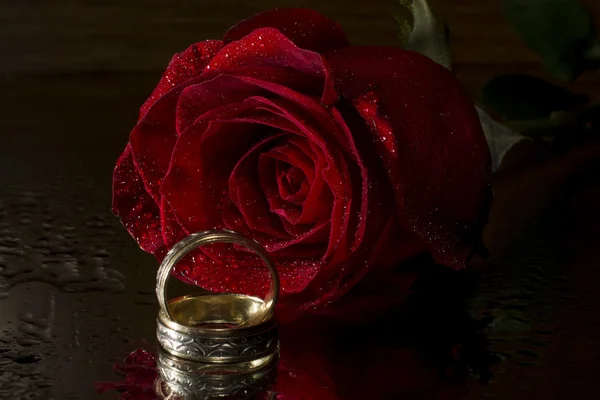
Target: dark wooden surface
93,35
89,36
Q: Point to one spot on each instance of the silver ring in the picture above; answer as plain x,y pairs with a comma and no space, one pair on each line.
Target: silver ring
215,345
168,360
196,240
216,328
194,380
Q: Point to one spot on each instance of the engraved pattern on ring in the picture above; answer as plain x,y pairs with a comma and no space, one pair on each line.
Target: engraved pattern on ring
207,386
198,348
167,360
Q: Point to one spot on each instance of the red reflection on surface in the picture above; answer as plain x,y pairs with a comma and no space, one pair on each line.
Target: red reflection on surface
323,366
139,371
426,350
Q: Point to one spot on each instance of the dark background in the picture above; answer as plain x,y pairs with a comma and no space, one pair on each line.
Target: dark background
75,291
83,36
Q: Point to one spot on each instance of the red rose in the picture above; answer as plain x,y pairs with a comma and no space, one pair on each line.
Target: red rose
341,160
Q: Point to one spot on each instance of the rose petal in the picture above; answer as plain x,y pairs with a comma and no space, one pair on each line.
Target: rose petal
200,145
306,105
429,137
132,203
369,184
317,204
183,66
203,154
286,210
306,28
233,218
294,153
196,184
155,135
171,229
308,242
246,278
346,275
386,285
370,223
309,84
209,191
201,98
267,47
336,172
304,112
245,193
152,141
292,183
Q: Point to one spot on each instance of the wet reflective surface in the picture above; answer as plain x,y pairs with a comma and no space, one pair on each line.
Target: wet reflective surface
77,295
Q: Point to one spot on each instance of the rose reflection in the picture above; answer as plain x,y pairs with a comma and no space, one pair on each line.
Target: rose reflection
428,350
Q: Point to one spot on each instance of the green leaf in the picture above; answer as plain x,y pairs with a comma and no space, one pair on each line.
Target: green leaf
546,130
523,97
560,31
404,27
499,138
426,36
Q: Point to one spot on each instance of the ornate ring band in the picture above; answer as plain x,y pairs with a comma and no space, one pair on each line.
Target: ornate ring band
194,380
180,337
184,247
216,327
168,360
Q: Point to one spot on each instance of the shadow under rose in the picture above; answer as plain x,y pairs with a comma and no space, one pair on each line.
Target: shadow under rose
427,349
